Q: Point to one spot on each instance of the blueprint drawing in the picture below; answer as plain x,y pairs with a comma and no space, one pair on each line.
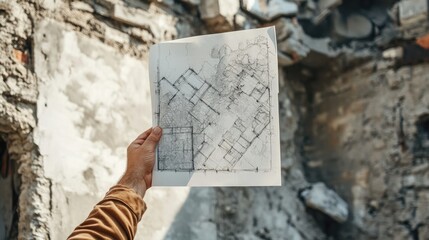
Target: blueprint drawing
215,97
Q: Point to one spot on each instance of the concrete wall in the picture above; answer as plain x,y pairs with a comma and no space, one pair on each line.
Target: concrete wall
92,102
74,93
368,140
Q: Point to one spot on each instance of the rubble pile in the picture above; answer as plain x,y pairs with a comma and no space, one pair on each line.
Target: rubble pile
354,114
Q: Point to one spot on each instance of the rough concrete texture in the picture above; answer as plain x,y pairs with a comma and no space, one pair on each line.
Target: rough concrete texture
18,87
98,113
74,93
370,129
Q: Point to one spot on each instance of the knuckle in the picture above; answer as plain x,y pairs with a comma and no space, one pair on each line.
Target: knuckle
149,149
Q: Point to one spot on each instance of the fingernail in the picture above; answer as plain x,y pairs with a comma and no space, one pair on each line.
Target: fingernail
157,130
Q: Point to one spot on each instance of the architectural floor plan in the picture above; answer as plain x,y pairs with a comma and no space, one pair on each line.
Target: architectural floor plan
215,97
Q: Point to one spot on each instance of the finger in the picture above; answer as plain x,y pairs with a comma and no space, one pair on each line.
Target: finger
142,137
153,139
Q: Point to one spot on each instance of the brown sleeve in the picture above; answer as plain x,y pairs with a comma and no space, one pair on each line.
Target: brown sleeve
114,217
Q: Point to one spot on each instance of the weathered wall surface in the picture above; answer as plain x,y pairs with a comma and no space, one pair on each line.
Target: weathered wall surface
93,95
368,139
18,88
92,102
276,212
74,93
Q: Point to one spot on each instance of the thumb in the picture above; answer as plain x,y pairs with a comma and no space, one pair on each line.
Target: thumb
153,139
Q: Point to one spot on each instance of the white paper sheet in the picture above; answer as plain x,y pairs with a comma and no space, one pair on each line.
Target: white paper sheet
216,98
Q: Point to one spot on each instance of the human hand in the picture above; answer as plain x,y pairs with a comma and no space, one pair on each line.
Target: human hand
140,161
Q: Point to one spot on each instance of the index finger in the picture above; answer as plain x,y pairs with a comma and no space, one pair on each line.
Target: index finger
142,137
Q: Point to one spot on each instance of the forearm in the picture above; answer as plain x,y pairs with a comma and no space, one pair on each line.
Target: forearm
115,217
134,182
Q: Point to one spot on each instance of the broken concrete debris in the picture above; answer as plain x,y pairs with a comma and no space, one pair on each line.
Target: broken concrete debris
209,9
412,11
291,49
325,8
269,10
83,6
315,34
416,180
132,16
319,197
320,45
218,15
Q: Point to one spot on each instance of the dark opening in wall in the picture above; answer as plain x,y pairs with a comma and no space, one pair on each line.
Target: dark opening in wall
8,199
4,159
421,142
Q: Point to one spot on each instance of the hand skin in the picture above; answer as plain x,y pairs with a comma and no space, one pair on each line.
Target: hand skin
140,161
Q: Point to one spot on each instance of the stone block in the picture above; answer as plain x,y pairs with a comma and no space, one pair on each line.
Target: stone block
412,11
228,8
209,9
325,8
218,15
319,197
269,10
103,7
421,180
131,16
50,4
83,6
353,26
291,49
116,35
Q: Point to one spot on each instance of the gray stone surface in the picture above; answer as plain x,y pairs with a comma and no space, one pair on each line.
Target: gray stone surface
381,191
209,9
132,16
291,48
325,7
352,26
82,6
319,197
412,11
218,15
269,10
